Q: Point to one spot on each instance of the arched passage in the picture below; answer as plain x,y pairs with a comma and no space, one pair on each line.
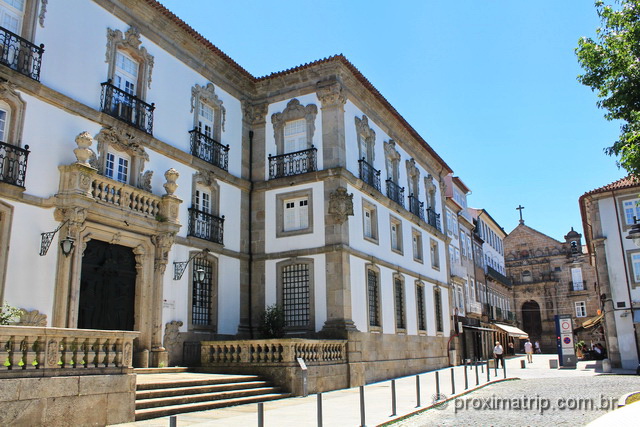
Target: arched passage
531,320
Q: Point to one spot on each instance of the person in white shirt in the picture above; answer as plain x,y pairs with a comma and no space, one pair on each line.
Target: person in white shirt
498,353
528,348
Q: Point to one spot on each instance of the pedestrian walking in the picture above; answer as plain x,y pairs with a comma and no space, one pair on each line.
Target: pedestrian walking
528,349
538,351
498,354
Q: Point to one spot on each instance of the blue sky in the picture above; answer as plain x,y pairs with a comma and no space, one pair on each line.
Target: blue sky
490,84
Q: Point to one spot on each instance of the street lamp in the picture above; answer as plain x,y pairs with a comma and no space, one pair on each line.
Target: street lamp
634,233
67,245
180,266
200,274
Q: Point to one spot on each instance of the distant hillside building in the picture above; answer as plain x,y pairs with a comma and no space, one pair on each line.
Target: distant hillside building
550,278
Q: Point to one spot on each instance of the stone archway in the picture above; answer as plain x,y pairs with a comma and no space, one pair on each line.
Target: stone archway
532,320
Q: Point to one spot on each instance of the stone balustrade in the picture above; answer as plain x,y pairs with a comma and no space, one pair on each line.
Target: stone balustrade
273,352
41,351
125,196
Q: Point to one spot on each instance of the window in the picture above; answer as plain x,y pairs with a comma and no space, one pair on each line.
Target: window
398,288
435,254
294,213
437,302
463,244
204,220
204,296
396,235
392,161
205,120
449,223
370,221
295,293
416,238
472,295
4,115
208,124
420,307
294,127
117,166
581,309
130,64
366,140
295,136
576,278
11,14
635,262
631,209
373,297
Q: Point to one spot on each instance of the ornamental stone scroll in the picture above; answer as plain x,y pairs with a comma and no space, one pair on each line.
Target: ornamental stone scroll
129,42
366,139
294,111
207,95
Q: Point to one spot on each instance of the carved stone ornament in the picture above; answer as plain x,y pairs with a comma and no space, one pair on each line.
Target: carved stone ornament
429,185
341,205
390,150
366,138
75,216
170,186
207,95
413,173
129,42
84,152
43,11
330,94
13,129
255,113
145,181
163,243
127,355
172,334
32,318
120,140
294,111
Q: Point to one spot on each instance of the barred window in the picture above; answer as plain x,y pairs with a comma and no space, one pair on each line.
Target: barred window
399,297
201,311
437,301
372,284
422,321
295,295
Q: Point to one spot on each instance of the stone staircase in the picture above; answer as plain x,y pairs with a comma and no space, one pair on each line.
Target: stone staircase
169,391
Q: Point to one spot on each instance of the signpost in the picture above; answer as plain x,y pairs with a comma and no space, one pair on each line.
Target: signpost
566,350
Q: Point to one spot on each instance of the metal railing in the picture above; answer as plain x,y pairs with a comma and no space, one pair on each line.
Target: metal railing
395,192
578,286
296,163
204,225
13,164
369,174
495,274
209,150
474,307
416,207
126,107
20,54
433,219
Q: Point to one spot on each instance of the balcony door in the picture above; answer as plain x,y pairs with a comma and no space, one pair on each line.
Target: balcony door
295,136
107,287
11,15
125,78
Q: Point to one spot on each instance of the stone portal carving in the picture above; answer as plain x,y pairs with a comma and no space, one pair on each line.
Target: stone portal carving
172,334
341,205
31,318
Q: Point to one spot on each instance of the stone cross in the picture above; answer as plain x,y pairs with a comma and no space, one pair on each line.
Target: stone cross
519,208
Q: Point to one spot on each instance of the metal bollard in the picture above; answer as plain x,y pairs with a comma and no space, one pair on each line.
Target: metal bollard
319,409
418,390
523,364
504,369
393,397
477,377
173,421
437,385
496,366
260,414
466,380
488,370
453,382
363,422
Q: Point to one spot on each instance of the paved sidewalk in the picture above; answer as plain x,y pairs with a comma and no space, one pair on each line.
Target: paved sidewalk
342,407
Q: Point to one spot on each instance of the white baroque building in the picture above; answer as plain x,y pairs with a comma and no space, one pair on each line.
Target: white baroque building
146,146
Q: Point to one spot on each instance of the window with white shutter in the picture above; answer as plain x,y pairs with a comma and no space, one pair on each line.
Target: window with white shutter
296,214
295,136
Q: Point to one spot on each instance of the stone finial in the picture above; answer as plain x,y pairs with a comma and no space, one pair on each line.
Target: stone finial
340,204
170,186
84,152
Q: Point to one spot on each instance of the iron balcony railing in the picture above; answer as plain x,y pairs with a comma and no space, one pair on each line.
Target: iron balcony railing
433,219
369,174
495,274
209,150
296,163
20,54
204,225
126,107
578,286
416,207
395,192
13,164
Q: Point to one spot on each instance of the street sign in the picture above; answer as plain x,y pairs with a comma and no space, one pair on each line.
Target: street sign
566,350
566,340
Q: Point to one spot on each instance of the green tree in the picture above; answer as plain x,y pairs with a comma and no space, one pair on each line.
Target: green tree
612,69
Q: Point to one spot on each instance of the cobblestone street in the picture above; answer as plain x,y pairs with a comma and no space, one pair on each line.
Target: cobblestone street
535,402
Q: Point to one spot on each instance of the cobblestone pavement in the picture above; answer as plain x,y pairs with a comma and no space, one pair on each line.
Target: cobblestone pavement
532,402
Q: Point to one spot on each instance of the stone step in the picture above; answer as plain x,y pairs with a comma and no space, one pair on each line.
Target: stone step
145,414
210,388
197,382
203,397
168,370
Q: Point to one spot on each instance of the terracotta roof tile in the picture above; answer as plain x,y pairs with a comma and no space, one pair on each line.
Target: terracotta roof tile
621,184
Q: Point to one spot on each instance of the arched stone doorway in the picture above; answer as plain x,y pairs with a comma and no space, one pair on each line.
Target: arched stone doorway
531,320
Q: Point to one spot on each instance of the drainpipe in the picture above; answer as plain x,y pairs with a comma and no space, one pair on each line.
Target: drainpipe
250,233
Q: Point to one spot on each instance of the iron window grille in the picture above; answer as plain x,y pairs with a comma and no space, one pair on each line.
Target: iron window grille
437,299
20,54
202,293
13,164
369,174
372,285
290,164
295,295
126,107
395,192
204,225
209,150
416,207
399,294
422,321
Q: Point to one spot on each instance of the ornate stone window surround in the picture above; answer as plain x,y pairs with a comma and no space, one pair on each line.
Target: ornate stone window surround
366,140
11,101
435,254
373,211
430,188
413,177
281,199
376,270
129,43
293,111
397,222
205,180
213,326
309,262
418,253
398,279
621,212
392,163
207,95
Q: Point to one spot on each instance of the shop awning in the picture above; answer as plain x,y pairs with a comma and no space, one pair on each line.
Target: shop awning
512,331
478,328
592,322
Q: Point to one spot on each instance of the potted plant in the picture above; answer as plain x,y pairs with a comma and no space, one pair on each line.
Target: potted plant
579,349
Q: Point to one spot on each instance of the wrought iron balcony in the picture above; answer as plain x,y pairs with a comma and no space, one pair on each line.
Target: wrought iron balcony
433,219
20,54
578,286
290,164
209,150
126,107
416,207
206,226
369,174
495,274
13,164
395,192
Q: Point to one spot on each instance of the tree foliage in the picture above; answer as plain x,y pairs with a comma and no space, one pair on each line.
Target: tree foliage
8,314
612,69
272,322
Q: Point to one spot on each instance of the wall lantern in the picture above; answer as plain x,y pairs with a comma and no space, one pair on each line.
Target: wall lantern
180,266
66,244
634,233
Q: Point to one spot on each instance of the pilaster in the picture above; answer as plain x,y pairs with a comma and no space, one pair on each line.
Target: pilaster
333,98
